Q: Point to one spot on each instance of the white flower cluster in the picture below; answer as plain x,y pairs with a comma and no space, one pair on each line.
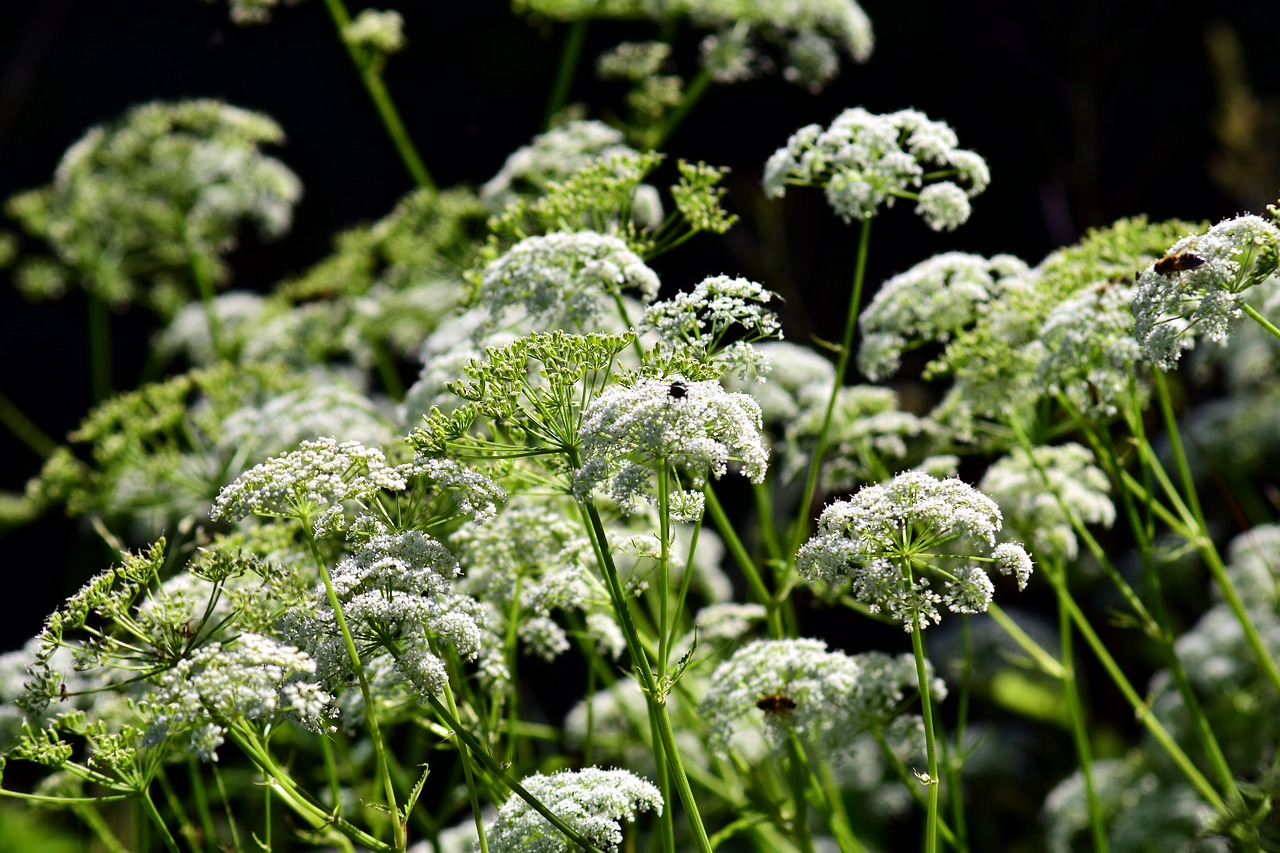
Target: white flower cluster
591,800
628,431
277,424
310,484
865,161
377,32
698,323
798,380
396,593
798,686
1087,351
1034,511
1195,289
531,561
553,156
252,678
565,279
929,303
472,493
886,538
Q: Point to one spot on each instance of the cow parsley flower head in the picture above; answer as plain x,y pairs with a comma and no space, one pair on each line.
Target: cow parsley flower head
378,33
629,431
928,304
565,279
553,156
254,678
1088,352
1196,288
396,593
134,204
797,686
1035,511
591,800
866,161
717,321
887,541
310,484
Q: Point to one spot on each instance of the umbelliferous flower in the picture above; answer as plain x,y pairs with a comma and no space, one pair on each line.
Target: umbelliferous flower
929,303
379,33
591,800
1035,509
798,686
886,541
866,161
695,426
252,678
310,484
553,156
699,323
135,204
1195,289
565,279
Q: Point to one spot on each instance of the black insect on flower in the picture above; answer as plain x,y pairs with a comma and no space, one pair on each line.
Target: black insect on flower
678,390
776,703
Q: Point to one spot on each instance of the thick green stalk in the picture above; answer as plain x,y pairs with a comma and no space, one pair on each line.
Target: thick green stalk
801,528
648,683
569,57
157,821
473,793
1216,566
99,347
25,429
366,692
931,750
740,556
798,779
1262,321
491,764
382,102
1079,727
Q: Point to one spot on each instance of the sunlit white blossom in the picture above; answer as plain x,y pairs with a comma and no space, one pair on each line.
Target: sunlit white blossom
866,161
825,697
629,431
885,541
1196,288
591,800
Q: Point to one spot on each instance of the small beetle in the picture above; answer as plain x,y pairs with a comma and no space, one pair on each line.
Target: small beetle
678,390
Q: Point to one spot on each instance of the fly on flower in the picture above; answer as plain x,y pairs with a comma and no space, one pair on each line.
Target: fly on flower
1180,262
776,703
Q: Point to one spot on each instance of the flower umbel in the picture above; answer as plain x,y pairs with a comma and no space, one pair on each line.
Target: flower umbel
696,426
865,161
591,800
885,539
1195,288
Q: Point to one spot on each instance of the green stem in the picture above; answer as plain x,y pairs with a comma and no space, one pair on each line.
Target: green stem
1047,663
366,692
473,793
491,764
926,707
1079,727
692,94
25,429
1262,321
759,590
954,761
157,821
569,57
381,101
88,813
798,778
204,284
1216,566
842,366
653,695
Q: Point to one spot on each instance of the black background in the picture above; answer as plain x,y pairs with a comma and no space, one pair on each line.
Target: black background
1085,113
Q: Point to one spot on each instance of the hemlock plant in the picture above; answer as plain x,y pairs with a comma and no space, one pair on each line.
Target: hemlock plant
336,599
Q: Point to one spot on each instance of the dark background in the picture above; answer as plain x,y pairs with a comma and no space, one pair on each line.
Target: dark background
1085,113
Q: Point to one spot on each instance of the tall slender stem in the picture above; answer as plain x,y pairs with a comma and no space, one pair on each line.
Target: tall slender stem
382,101
801,528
